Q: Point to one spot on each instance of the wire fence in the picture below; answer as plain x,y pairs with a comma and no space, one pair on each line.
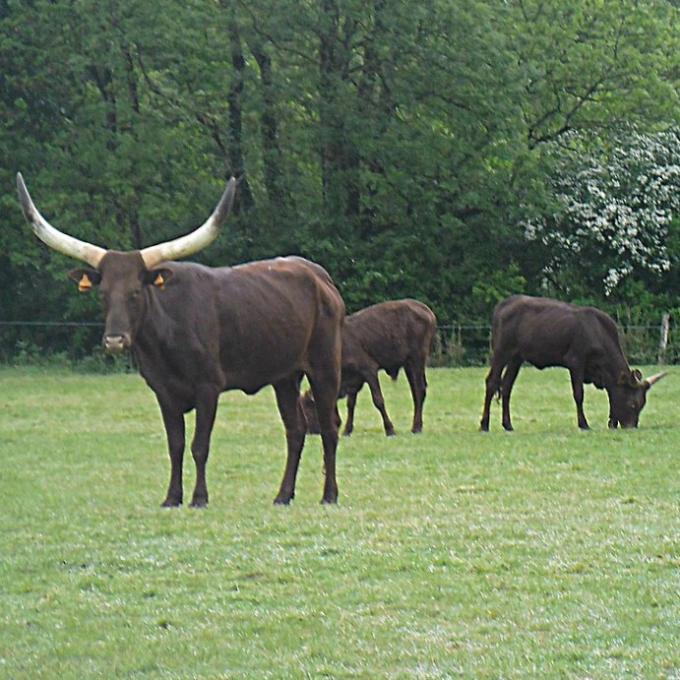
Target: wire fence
470,344
458,344
38,342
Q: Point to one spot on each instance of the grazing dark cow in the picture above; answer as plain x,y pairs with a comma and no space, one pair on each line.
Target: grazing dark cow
197,331
385,336
546,332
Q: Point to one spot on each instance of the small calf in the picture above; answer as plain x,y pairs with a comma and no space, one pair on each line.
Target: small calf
388,336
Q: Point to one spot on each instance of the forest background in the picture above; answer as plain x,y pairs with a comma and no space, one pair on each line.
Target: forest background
454,151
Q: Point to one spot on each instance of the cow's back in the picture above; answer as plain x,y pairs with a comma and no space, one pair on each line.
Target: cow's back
247,326
286,307
543,331
390,332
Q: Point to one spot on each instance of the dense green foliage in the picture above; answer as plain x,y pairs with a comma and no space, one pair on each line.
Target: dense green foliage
545,553
405,146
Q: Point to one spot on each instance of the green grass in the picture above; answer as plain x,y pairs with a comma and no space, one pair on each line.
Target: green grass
543,553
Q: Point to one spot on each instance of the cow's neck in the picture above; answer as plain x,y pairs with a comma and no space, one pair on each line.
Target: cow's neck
616,364
155,330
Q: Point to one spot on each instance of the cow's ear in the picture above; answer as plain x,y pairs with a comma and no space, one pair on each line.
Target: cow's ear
85,278
631,378
157,277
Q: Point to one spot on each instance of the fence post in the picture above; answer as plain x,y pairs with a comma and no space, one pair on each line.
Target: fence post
663,338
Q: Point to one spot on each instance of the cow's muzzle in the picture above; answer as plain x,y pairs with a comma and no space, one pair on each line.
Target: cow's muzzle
115,344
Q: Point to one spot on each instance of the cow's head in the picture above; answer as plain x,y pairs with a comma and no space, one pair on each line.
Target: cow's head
123,277
628,397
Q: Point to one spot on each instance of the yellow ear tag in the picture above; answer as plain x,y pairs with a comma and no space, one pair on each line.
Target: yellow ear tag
84,284
159,281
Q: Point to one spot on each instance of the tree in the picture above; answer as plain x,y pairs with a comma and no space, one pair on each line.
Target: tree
402,145
614,202
595,65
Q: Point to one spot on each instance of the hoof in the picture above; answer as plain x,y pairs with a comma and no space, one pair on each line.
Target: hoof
282,499
171,503
329,501
199,503
390,433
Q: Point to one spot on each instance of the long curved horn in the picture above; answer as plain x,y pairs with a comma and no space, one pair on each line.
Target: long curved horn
197,239
80,250
655,378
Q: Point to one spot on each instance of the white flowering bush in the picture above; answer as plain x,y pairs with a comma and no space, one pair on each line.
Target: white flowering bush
613,205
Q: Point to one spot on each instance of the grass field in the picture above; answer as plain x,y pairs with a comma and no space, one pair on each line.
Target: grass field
543,553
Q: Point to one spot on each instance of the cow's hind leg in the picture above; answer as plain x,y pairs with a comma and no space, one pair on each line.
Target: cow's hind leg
351,405
173,420
206,407
288,401
325,383
379,401
323,373
493,385
415,372
507,383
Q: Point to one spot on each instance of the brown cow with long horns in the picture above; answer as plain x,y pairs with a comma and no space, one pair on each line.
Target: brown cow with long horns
197,331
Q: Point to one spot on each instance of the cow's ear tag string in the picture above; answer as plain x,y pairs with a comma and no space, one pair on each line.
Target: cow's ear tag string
84,284
159,281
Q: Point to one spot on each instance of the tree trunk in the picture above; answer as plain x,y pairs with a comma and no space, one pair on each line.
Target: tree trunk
236,159
339,157
270,132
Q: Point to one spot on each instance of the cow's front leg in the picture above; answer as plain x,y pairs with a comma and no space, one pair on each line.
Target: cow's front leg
173,420
507,382
206,407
